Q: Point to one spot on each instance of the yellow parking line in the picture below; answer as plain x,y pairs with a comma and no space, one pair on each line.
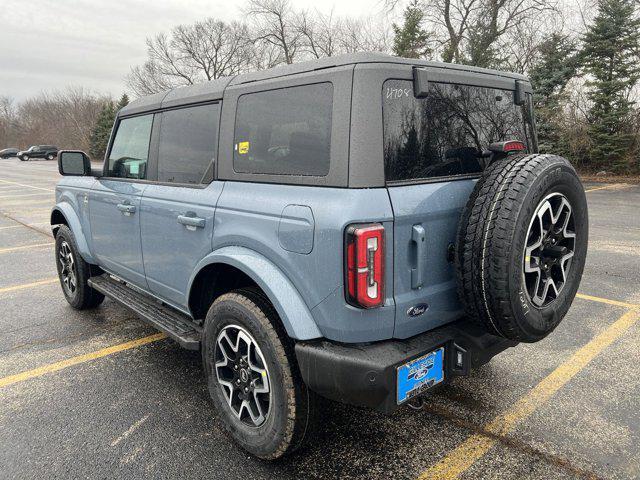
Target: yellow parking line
606,187
13,288
24,247
28,186
464,456
87,357
26,225
18,197
13,206
598,188
608,302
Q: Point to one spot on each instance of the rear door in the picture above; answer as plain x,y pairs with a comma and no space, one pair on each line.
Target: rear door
179,206
431,148
114,201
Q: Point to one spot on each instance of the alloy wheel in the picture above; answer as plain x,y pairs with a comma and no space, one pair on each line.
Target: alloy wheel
68,268
243,375
550,246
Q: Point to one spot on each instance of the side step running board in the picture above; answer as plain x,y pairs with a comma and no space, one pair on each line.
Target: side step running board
175,324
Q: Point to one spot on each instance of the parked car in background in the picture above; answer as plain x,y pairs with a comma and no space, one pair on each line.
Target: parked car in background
39,151
9,152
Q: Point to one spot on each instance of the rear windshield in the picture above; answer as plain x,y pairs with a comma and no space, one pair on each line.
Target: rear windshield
442,134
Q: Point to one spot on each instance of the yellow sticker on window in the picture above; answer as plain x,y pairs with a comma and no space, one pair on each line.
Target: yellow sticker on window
243,148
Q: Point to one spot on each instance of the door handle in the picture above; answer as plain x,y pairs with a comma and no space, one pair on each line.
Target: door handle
191,221
418,237
126,208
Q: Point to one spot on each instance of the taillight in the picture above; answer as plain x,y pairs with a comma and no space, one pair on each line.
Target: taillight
364,269
510,146
514,146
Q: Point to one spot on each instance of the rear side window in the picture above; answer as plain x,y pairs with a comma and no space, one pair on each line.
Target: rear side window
130,149
285,131
188,139
443,133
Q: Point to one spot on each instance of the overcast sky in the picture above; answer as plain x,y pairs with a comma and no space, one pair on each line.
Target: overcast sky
51,44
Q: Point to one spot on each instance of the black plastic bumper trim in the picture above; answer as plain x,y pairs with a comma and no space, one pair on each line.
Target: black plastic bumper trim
365,374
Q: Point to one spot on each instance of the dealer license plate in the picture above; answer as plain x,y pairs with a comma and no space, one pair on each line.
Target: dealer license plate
420,374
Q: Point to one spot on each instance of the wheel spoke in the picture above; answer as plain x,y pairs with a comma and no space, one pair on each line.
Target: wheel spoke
242,374
550,245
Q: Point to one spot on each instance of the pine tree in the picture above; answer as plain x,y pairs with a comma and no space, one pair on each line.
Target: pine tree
123,102
610,56
410,39
557,63
102,129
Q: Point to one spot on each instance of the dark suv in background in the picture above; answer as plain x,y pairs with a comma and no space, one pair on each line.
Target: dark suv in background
39,151
9,152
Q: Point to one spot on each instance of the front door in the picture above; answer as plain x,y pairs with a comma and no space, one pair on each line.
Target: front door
115,228
114,201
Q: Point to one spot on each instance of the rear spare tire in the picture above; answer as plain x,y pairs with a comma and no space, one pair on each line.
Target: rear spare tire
521,246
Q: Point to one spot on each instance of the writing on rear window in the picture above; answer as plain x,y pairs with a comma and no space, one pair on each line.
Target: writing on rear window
393,92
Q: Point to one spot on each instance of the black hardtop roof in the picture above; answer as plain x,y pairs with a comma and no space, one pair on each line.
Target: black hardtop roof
214,89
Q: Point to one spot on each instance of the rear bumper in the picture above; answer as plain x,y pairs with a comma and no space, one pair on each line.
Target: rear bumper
365,374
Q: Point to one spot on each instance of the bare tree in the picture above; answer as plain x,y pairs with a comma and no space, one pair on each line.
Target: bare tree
62,118
520,46
194,53
274,22
8,122
367,34
323,35
470,30
319,33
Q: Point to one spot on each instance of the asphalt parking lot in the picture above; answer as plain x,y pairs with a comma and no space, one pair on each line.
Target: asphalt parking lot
100,394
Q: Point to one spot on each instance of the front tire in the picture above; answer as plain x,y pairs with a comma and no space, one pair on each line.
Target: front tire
24,158
253,376
74,272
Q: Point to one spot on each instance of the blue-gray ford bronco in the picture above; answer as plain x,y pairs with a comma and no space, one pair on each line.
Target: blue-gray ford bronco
361,228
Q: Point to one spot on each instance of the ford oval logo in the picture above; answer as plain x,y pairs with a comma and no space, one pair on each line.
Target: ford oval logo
417,310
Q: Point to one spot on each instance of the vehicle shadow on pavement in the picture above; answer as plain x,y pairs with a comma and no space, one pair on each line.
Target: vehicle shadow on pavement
350,442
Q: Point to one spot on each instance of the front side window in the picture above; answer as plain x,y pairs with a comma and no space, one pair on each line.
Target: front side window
285,131
188,140
445,133
130,149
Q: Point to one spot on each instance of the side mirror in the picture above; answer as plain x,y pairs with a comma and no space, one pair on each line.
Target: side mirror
73,163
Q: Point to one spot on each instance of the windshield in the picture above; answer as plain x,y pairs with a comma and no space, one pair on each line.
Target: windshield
445,133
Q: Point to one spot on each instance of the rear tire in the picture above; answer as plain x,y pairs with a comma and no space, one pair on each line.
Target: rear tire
288,410
521,246
50,157
74,272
